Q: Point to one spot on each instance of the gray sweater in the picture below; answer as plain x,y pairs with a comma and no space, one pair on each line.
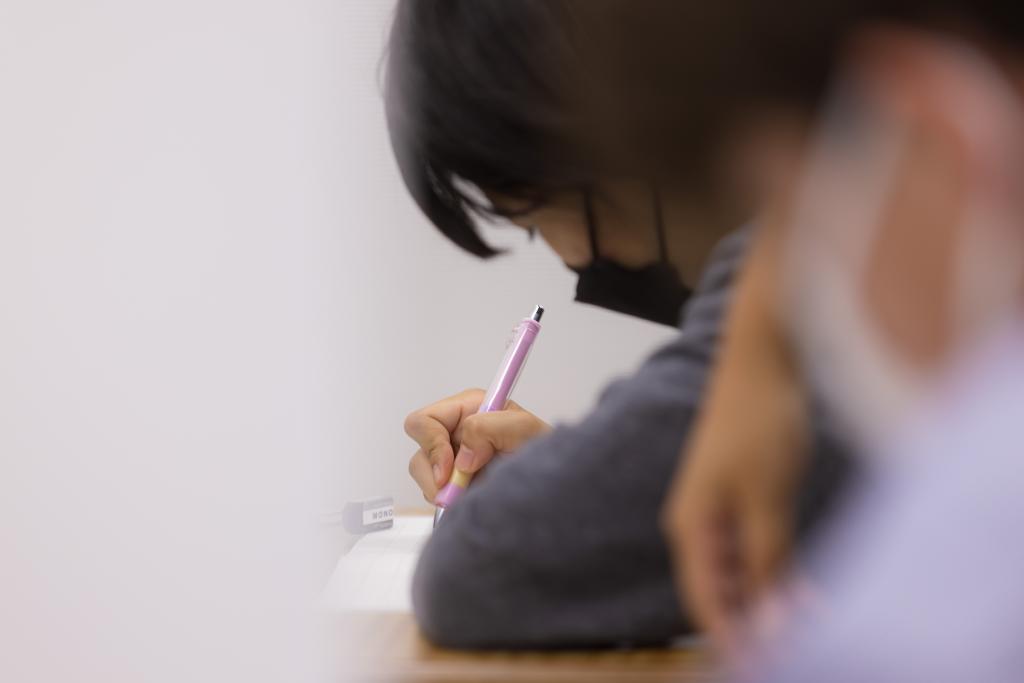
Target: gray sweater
559,545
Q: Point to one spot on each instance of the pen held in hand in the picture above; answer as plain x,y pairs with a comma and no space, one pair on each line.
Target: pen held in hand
496,398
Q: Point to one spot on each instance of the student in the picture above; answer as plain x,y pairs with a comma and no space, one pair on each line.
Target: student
559,545
892,272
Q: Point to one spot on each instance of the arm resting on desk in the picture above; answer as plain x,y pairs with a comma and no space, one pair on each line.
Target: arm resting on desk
559,545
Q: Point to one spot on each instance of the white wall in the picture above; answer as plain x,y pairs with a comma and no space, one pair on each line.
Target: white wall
432,320
167,175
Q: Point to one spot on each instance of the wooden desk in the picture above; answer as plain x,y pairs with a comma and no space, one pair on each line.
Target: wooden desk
387,648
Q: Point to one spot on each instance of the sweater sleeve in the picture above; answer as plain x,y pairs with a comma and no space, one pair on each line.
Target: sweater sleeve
559,544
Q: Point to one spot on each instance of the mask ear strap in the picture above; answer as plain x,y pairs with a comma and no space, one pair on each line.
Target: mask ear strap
659,224
591,219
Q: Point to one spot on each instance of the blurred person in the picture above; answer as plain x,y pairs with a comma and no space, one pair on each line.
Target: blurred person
889,276
923,572
501,110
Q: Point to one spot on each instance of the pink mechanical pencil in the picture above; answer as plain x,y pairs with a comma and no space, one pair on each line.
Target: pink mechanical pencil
496,399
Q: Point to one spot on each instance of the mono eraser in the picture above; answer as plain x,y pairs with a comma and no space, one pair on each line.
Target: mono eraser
372,514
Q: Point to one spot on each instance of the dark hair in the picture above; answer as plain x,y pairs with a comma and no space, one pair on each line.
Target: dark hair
475,93
530,97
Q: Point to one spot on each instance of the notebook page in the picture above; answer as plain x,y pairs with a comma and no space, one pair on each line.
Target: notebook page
376,575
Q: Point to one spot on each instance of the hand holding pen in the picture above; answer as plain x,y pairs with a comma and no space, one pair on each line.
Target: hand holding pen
457,436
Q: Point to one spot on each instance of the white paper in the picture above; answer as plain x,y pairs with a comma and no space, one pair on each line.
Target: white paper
376,575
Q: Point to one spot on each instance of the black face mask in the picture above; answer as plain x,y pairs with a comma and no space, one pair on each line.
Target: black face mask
652,292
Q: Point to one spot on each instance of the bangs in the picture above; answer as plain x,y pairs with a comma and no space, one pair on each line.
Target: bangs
475,102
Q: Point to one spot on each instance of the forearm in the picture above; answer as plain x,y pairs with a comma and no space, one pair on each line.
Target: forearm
542,553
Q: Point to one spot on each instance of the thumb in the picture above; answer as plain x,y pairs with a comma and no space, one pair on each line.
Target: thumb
485,435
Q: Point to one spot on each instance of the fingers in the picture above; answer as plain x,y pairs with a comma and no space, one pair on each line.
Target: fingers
432,428
706,554
484,435
442,427
730,553
766,543
422,473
